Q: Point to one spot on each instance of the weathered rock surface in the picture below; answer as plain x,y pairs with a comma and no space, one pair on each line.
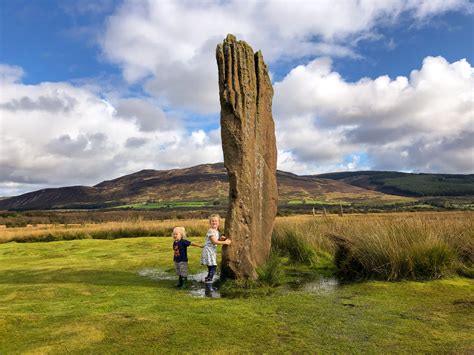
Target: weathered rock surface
250,156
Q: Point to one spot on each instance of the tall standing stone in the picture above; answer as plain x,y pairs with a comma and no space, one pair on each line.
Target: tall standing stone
250,156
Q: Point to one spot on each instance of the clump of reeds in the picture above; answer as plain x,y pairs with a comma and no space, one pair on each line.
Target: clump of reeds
293,243
271,273
403,249
384,246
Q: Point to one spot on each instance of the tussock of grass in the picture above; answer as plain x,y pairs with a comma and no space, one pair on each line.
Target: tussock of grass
270,276
415,246
271,273
395,250
291,242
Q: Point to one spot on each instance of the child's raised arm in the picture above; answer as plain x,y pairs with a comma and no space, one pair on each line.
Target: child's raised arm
197,245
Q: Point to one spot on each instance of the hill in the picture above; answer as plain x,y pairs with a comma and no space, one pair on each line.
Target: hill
200,185
406,184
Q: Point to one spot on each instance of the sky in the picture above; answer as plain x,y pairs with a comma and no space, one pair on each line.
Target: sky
93,90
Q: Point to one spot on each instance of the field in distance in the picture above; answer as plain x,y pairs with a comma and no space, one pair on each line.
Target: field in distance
167,204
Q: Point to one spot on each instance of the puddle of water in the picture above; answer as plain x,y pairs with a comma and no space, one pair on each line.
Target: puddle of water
202,292
156,274
322,285
197,288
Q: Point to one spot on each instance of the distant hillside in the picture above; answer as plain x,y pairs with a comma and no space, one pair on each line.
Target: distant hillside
406,184
202,184
55,198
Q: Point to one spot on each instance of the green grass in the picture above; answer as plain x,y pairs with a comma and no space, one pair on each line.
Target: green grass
410,184
166,204
316,202
433,185
86,296
292,243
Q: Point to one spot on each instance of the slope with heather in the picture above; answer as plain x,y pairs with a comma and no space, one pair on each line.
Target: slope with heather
203,184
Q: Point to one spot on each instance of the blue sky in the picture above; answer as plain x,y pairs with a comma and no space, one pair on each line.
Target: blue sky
55,41
96,89
51,42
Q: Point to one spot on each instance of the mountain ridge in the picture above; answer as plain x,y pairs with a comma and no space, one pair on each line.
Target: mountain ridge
407,184
209,182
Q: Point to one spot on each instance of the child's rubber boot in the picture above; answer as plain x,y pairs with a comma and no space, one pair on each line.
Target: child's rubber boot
185,283
208,289
180,282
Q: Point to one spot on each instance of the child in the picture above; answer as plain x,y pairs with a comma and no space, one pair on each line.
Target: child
209,252
180,247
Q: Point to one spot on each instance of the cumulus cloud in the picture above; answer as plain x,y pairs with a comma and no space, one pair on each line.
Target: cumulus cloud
426,8
424,122
52,104
10,73
168,46
43,145
135,142
83,145
145,114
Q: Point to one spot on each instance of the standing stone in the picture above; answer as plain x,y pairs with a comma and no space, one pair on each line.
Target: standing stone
250,156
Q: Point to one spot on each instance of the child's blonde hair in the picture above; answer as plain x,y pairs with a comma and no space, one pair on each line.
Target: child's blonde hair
180,230
214,215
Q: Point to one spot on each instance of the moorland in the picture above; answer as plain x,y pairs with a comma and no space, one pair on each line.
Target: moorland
385,282
205,187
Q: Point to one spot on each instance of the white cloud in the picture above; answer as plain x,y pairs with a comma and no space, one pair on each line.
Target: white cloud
422,123
10,73
426,8
66,135
56,134
146,115
168,46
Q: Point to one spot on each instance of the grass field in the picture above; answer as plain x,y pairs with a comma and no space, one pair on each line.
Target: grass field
108,230
429,185
350,199
315,202
88,296
166,204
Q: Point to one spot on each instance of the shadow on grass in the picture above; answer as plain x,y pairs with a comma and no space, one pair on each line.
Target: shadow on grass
153,278
296,280
93,277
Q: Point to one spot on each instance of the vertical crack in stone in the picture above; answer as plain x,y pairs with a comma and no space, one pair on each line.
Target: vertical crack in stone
257,77
249,145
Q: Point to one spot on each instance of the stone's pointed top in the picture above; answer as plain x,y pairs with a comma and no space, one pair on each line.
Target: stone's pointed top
230,38
232,41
